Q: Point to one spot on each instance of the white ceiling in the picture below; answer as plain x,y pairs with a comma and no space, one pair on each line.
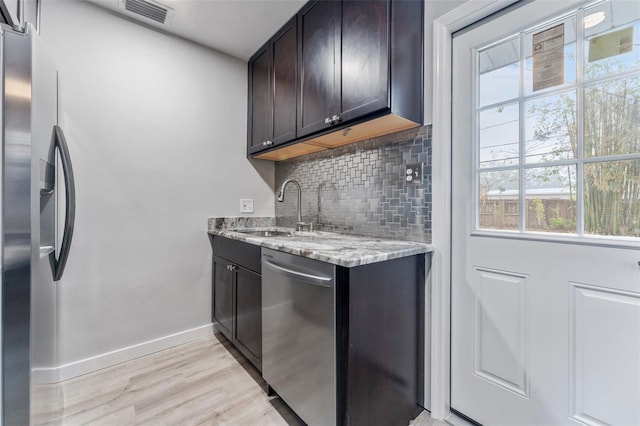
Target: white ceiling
236,27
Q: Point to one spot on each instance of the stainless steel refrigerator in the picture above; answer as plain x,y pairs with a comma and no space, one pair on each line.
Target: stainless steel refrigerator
36,197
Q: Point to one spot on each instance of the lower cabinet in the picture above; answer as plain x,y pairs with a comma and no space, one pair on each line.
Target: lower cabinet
223,296
237,295
376,335
381,342
248,333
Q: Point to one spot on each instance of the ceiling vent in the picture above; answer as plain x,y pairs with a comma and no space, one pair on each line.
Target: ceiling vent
148,9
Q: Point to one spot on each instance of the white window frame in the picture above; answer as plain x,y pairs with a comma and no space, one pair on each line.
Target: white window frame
578,87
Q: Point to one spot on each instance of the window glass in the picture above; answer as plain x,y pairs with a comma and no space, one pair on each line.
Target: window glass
612,198
499,136
499,72
551,128
612,117
612,38
499,200
567,67
551,199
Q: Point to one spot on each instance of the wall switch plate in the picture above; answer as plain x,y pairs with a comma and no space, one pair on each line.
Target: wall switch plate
413,173
246,205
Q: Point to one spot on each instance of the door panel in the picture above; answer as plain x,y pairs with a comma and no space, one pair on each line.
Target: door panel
545,317
249,312
365,57
500,323
223,297
319,64
284,83
602,357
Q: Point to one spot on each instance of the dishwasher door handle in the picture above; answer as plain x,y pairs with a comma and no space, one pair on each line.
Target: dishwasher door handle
311,279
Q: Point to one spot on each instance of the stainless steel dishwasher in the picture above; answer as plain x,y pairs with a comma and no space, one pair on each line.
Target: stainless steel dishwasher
298,334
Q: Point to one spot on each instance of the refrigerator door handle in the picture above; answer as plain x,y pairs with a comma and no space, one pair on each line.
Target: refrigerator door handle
70,203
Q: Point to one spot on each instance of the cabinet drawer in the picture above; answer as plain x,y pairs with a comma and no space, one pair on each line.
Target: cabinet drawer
238,252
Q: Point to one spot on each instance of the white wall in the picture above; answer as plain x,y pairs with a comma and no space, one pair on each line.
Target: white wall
156,127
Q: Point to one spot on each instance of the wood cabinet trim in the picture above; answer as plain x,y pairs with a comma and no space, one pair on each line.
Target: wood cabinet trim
384,125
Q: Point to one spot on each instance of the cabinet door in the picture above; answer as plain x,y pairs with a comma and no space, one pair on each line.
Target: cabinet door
284,71
260,109
365,58
248,334
319,62
222,293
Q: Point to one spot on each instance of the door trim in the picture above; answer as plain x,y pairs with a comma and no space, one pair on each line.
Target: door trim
443,28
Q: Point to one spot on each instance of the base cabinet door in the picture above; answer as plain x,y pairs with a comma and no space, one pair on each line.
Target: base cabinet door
237,295
222,294
248,331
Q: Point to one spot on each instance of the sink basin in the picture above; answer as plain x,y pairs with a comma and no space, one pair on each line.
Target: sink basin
265,233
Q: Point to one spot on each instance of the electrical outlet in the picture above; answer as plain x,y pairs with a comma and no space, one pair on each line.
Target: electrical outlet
413,173
246,205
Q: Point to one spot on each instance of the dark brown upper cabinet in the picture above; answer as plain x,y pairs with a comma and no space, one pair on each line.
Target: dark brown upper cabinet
260,109
364,82
343,62
272,91
359,74
318,65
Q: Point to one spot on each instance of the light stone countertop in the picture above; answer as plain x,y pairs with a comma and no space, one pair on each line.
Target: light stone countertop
338,249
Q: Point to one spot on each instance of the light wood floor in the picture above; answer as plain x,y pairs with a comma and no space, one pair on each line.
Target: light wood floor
206,382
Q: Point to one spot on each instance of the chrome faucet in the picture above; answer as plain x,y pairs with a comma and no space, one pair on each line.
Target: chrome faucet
300,225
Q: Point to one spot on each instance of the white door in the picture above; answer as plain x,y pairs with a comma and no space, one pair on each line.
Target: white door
546,216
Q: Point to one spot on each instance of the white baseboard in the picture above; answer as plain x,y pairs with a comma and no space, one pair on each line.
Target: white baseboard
107,359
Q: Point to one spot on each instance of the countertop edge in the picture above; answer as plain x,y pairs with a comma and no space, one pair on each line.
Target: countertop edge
413,248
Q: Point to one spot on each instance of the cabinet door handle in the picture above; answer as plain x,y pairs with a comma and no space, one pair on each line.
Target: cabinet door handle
231,267
322,281
335,119
328,121
269,143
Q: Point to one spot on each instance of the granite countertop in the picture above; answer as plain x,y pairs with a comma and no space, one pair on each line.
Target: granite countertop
338,249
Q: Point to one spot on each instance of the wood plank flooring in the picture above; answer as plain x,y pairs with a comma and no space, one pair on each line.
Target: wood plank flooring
206,382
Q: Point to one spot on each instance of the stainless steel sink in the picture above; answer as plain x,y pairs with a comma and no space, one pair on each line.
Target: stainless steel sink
265,233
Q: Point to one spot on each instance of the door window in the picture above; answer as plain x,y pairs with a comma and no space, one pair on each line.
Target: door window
557,118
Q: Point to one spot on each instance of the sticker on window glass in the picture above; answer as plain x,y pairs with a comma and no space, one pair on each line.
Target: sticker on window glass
612,44
548,58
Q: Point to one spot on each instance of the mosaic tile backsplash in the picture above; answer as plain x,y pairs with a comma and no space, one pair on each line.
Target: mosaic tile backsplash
361,188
